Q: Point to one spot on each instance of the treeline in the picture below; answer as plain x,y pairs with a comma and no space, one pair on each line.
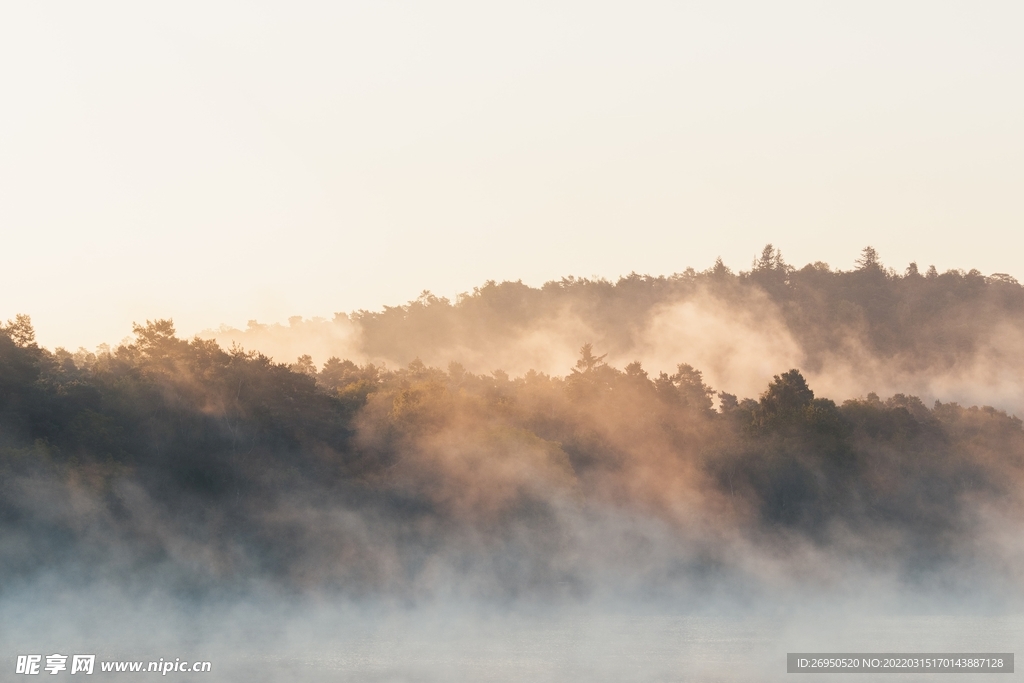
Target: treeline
956,335
926,319
178,459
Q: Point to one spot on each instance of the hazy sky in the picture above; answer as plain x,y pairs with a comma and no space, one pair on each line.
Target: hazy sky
215,161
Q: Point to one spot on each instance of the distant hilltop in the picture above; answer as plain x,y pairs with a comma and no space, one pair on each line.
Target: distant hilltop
956,335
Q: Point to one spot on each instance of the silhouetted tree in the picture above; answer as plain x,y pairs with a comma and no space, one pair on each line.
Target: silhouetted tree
868,259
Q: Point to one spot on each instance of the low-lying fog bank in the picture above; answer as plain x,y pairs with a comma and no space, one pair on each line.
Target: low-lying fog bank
736,467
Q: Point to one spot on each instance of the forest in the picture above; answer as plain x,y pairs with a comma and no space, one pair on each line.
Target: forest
209,468
953,336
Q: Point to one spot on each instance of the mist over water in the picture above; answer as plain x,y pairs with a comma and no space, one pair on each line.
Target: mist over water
676,478
316,639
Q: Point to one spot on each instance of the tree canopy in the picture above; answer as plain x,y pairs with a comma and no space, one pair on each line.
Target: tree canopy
223,465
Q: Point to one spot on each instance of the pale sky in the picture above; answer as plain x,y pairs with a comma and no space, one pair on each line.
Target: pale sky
216,162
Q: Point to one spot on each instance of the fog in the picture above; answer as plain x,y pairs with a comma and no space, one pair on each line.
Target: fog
963,337
664,478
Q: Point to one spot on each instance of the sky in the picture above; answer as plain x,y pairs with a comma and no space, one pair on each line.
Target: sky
216,162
